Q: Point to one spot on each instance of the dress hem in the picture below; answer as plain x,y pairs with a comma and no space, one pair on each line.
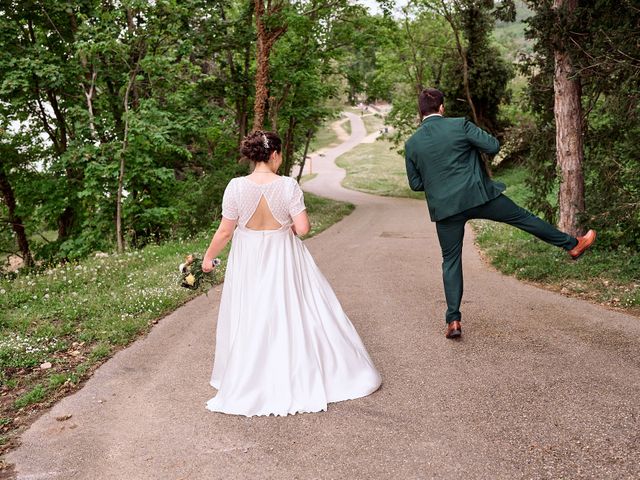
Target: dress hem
294,412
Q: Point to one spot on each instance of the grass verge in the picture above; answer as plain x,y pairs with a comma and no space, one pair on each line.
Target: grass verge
376,168
324,137
610,278
58,325
346,126
308,177
324,212
373,122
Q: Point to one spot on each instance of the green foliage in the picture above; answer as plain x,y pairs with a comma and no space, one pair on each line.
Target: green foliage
165,87
610,277
489,72
361,63
612,180
414,54
603,57
65,73
100,351
302,68
35,395
20,351
420,50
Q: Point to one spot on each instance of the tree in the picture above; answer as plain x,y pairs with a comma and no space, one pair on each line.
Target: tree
413,55
14,219
484,83
269,28
112,86
599,40
136,109
447,12
568,116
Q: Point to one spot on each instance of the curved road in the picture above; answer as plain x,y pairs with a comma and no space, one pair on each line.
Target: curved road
540,386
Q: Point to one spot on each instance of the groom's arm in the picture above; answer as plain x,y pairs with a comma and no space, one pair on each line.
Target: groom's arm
415,179
481,139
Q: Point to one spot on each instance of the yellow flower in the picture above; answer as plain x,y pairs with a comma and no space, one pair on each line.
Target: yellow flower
190,279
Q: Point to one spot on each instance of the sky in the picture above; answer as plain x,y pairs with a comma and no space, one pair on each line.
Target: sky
373,4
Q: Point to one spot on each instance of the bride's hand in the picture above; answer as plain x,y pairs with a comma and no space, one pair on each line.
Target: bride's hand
207,265
293,229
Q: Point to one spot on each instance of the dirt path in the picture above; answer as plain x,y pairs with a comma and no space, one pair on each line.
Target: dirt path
541,386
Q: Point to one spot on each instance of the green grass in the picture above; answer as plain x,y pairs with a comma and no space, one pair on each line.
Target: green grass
602,276
324,212
76,315
307,177
324,137
376,168
373,123
346,126
35,395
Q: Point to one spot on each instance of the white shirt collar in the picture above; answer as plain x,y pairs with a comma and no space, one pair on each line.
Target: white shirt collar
430,115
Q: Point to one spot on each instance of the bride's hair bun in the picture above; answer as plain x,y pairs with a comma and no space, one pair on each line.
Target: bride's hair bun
258,145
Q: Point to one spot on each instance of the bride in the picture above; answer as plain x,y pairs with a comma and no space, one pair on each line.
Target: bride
283,343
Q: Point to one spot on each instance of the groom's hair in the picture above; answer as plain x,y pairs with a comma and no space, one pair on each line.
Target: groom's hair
429,101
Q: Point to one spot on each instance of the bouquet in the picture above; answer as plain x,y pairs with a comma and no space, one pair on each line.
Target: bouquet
192,276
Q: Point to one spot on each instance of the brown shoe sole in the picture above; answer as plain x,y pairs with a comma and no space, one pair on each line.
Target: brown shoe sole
454,334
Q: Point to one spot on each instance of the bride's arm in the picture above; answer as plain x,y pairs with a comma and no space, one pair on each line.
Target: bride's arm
301,225
218,242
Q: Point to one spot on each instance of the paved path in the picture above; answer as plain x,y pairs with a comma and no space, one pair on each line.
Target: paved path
541,386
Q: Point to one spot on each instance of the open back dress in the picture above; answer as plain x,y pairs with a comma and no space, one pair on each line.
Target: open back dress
283,343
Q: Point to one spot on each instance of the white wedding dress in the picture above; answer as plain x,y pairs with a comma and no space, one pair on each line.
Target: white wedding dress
283,344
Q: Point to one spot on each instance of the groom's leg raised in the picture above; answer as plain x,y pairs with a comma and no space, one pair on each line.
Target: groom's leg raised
503,209
451,235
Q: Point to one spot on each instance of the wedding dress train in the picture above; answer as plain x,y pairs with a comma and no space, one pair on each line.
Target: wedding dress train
283,344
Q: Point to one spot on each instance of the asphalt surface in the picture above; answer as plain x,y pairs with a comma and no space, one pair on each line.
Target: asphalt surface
540,386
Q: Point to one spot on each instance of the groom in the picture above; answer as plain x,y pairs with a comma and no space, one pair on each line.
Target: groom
443,160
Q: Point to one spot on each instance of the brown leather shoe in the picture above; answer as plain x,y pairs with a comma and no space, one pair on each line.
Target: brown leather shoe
584,242
454,329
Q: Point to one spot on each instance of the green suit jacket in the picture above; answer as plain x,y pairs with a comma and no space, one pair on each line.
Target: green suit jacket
443,160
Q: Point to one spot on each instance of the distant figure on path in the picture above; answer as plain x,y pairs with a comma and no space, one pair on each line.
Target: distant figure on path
283,344
443,160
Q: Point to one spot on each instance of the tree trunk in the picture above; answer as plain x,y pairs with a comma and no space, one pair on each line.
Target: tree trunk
125,143
89,92
16,222
462,52
266,37
304,155
417,78
243,102
289,148
262,78
569,143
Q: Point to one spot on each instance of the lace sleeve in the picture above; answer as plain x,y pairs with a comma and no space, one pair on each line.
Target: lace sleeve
296,206
229,203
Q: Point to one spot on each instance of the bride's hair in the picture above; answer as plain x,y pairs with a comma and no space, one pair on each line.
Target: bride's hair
258,145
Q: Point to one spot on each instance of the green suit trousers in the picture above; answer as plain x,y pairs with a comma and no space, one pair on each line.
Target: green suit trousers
501,209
